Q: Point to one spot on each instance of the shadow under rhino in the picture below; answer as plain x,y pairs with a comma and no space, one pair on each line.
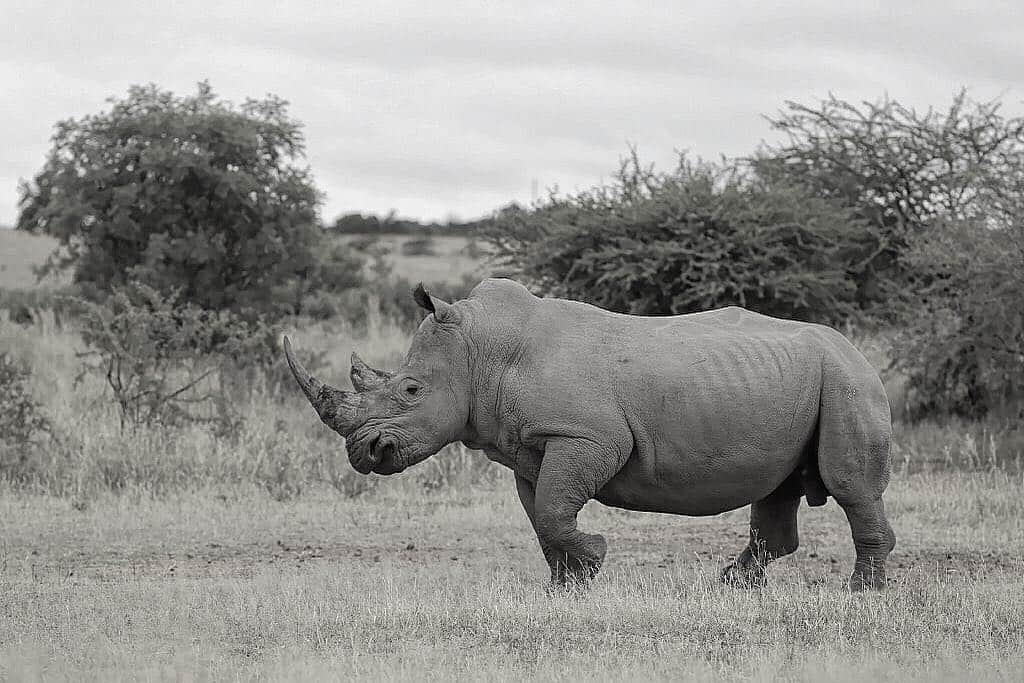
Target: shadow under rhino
692,414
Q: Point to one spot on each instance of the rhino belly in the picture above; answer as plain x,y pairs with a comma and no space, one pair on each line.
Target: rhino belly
693,483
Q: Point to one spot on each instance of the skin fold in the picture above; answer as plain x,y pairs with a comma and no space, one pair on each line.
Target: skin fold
692,414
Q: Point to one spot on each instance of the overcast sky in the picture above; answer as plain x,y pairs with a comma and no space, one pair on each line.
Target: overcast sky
442,108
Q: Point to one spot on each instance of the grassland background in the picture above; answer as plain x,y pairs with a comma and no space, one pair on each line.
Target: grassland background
178,555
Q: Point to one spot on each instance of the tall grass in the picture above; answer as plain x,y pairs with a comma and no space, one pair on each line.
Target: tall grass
279,443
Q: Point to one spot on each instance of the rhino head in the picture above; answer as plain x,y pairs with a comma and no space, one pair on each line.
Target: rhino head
396,419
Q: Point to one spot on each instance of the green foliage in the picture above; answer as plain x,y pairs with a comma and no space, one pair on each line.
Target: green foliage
23,424
189,194
962,338
699,237
900,171
163,359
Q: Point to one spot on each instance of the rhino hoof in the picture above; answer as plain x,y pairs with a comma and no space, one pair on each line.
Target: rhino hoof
867,582
739,576
570,588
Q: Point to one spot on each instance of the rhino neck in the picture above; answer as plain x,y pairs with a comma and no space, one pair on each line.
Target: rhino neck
497,352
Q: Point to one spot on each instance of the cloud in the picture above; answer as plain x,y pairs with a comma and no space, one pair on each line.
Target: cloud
441,108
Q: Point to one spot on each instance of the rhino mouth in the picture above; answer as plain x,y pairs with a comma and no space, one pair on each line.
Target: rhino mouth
373,450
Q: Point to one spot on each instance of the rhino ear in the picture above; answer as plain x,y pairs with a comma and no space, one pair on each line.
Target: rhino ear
365,378
443,311
422,298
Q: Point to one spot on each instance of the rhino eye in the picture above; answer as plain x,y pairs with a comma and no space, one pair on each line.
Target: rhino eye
411,389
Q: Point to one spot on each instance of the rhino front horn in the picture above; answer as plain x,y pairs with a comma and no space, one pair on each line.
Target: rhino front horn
337,409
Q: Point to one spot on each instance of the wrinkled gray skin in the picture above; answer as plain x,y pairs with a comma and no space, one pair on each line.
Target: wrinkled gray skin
692,415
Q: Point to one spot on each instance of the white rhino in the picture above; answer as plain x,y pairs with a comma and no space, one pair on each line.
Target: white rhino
691,414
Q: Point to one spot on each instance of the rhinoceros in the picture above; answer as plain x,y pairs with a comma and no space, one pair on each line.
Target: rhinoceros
691,414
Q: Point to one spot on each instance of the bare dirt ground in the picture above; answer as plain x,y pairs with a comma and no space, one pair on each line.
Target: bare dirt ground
214,536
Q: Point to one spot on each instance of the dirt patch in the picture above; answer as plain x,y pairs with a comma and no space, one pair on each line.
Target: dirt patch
635,543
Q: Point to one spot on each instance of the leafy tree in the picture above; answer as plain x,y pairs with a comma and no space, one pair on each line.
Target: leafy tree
701,236
189,194
900,170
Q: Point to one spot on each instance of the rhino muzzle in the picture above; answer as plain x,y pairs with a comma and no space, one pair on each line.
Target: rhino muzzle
337,409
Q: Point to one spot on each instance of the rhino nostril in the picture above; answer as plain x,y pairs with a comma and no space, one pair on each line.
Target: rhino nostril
373,453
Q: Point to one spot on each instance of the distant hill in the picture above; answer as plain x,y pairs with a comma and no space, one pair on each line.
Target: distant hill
368,224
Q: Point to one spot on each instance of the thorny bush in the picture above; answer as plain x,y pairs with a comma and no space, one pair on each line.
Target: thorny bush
165,361
23,424
702,236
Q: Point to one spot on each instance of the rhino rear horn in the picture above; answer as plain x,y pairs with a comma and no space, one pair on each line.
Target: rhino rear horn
337,409
365,378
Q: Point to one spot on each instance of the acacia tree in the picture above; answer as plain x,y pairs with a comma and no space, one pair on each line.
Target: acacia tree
901,171
186,194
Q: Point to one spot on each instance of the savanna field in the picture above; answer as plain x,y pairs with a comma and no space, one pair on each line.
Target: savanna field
191,553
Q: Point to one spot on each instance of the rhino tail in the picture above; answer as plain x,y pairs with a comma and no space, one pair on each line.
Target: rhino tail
814,487
810,476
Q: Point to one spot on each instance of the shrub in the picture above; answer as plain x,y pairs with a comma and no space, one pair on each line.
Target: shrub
961,343
366,244
702,236
419,246
23,305
191,195
23,425
391,298
163,359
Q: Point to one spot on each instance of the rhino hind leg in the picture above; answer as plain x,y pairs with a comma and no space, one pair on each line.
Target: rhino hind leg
773,534
873,540
854,463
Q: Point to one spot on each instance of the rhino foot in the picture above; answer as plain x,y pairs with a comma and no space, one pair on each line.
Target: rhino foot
867,576
574,572
743,575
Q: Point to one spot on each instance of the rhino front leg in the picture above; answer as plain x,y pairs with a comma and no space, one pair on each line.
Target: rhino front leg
528,497
572,472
